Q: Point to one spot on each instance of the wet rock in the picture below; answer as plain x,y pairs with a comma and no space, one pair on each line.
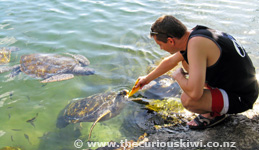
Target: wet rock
236,132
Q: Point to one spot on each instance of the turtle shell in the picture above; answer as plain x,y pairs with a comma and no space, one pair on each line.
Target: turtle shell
92,107
161,88
46,65
5,55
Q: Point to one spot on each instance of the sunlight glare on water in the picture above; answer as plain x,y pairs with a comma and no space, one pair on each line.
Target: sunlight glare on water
114,36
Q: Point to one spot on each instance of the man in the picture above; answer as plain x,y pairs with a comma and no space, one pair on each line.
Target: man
221,77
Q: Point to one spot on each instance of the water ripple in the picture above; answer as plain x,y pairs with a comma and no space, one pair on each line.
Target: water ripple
113,35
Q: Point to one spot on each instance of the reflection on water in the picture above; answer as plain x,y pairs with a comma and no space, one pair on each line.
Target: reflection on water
113,35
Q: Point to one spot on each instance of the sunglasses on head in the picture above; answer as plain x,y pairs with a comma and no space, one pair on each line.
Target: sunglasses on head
156,33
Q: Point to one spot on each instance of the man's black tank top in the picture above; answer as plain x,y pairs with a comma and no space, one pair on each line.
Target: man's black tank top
234,71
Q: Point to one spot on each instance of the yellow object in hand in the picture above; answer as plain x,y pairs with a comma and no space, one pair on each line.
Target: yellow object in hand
134,89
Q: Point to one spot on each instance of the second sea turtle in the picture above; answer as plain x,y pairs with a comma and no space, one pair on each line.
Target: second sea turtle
53,67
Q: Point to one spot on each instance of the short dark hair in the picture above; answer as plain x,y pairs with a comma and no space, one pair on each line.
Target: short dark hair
168,26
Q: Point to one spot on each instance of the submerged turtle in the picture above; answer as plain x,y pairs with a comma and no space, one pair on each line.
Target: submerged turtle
160,88
5,54
98,107
53,67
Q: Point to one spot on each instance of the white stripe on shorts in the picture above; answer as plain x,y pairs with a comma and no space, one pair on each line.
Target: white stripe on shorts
226,102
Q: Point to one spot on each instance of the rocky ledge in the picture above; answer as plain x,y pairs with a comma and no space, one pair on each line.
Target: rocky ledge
240,131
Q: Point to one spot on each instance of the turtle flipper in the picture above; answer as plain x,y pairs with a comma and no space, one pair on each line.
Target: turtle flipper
59,77
16,69
98,119
61,122
5,69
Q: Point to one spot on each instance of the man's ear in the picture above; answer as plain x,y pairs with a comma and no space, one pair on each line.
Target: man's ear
171,40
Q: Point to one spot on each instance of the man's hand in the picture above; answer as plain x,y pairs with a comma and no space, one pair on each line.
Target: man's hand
142,81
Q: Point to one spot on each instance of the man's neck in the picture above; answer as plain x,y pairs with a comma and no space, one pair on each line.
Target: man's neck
184,40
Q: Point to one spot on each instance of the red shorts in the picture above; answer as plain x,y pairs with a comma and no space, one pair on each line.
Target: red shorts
220,102
224,102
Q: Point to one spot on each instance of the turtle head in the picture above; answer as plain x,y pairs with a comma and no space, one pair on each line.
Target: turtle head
61,122
124,92
80,58
122,95
119,101
83,60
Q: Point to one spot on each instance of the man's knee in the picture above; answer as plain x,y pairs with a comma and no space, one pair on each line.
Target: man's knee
186,101
197,106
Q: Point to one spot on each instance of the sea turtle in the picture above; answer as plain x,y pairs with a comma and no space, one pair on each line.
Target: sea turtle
98,107
53,67
160,88
5,54
160,106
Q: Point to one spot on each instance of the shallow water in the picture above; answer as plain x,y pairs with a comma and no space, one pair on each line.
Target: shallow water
114,36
